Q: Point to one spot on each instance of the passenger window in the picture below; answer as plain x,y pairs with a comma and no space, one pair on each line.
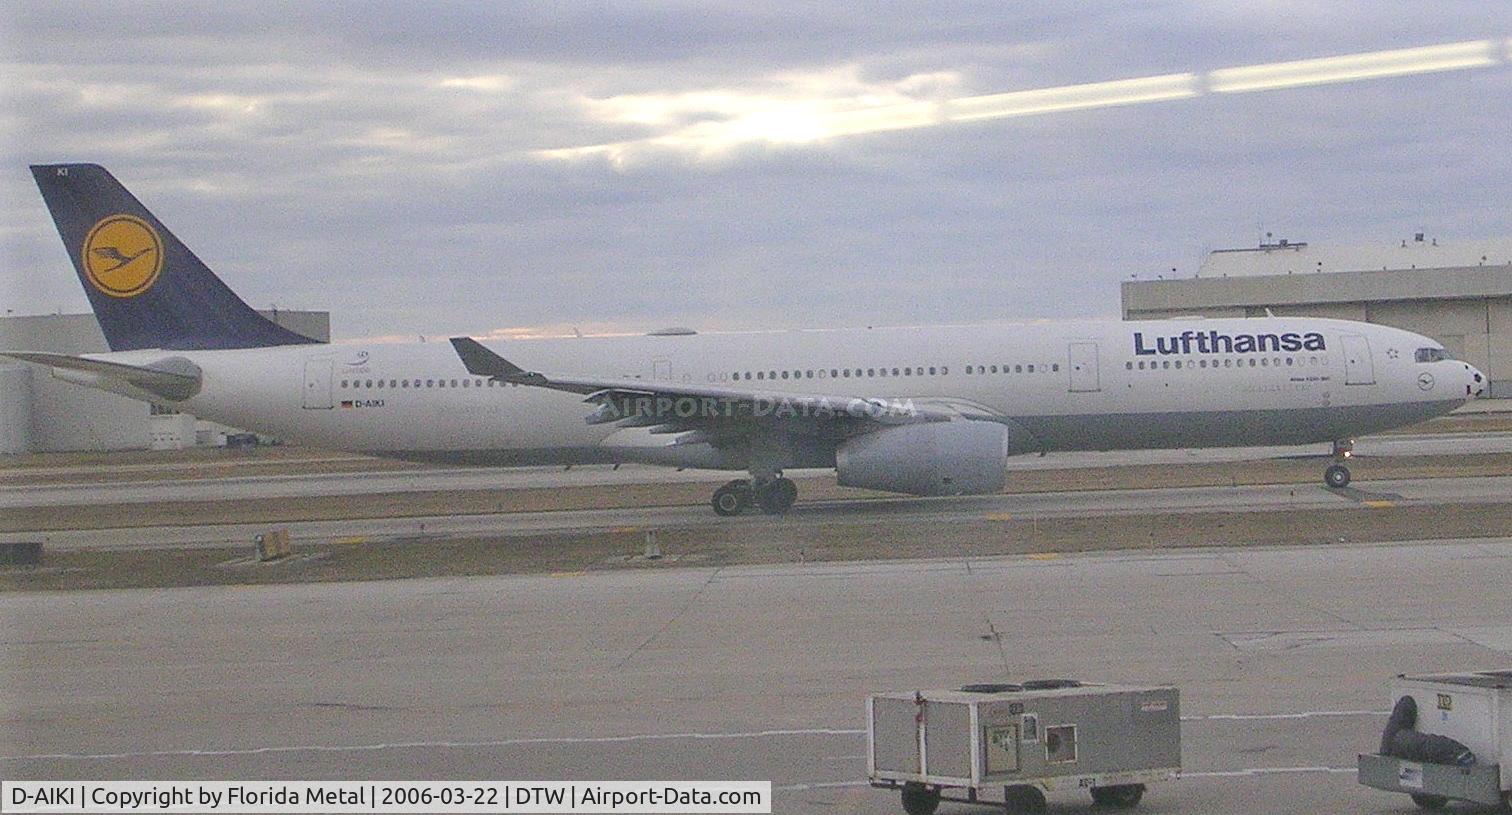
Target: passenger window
1141,365
881,372
1264,362
1202,363
810,374
908,372
1128,366
1288,362
467,383
1055,367
1018,369
1165,364
931,371
944,370
430,383
968,369
994,369
1029,368
343,383
834,372
847,373
1178,364
760,375
784,374
871,371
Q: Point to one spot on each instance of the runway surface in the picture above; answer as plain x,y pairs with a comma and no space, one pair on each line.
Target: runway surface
127,490
881,513
1283,656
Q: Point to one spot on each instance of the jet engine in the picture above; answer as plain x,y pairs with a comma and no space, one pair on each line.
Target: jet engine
960,457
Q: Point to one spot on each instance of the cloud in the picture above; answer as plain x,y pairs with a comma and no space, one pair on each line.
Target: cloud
777,167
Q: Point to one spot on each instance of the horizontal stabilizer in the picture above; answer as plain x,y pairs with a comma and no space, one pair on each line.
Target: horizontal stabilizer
173,378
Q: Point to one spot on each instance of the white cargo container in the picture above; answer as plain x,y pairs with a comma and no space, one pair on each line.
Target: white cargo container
1009,744
1474,709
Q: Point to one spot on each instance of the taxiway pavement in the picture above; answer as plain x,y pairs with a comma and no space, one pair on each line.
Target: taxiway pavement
1283,656
92,491
878,512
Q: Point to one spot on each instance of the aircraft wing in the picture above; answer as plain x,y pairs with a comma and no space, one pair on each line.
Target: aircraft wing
174,378
679,407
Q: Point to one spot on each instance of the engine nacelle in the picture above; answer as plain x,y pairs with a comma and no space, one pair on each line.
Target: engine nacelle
961,457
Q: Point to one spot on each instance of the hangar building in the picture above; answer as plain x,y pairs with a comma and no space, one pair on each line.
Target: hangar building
1459,293
39,413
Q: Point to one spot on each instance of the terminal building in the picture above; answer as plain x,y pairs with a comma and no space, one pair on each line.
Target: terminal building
40,414
1459,293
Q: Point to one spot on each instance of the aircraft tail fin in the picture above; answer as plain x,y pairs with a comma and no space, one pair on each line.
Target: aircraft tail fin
147,289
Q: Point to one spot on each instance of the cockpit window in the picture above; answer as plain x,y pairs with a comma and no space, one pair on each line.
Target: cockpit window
1431,355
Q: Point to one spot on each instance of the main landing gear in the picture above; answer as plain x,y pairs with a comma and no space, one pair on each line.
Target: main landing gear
1337,475
773,496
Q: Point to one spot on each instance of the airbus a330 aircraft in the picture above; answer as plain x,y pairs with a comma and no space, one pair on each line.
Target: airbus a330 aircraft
923,411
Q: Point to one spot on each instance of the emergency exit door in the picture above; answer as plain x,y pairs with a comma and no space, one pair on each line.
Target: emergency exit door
1358,367
317,384
1082,363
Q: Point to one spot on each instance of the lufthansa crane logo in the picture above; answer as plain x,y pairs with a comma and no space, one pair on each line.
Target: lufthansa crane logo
123,256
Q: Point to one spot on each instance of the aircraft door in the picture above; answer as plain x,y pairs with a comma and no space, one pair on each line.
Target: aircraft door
1082,363
317,384
1358,367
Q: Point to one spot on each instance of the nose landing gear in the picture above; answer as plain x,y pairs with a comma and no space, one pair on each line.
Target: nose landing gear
1337,474
774,496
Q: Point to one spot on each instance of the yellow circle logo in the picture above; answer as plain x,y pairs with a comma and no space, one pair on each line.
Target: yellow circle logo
123,256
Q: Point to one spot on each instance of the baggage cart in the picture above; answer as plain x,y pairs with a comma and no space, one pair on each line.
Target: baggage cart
1008,744
1474,709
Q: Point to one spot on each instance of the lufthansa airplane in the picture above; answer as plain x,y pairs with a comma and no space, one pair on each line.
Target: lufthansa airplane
923,411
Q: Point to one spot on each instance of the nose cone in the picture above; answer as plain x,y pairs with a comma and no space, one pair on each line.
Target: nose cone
1475,382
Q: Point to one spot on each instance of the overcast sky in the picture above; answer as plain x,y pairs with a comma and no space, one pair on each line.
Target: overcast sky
470,168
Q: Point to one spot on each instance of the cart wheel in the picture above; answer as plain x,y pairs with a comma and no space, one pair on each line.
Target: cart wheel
1118,796
1429,802
1022,798
919,799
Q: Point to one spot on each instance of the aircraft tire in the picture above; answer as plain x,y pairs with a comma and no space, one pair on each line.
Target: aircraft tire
777,496
1336,476
731,499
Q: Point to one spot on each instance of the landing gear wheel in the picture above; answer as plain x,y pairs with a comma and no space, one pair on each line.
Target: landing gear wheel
1336,476
919,799
732,498
1118,796
1429,802
1022,798
777,496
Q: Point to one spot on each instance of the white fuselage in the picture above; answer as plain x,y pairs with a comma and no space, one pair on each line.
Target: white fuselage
1069,385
